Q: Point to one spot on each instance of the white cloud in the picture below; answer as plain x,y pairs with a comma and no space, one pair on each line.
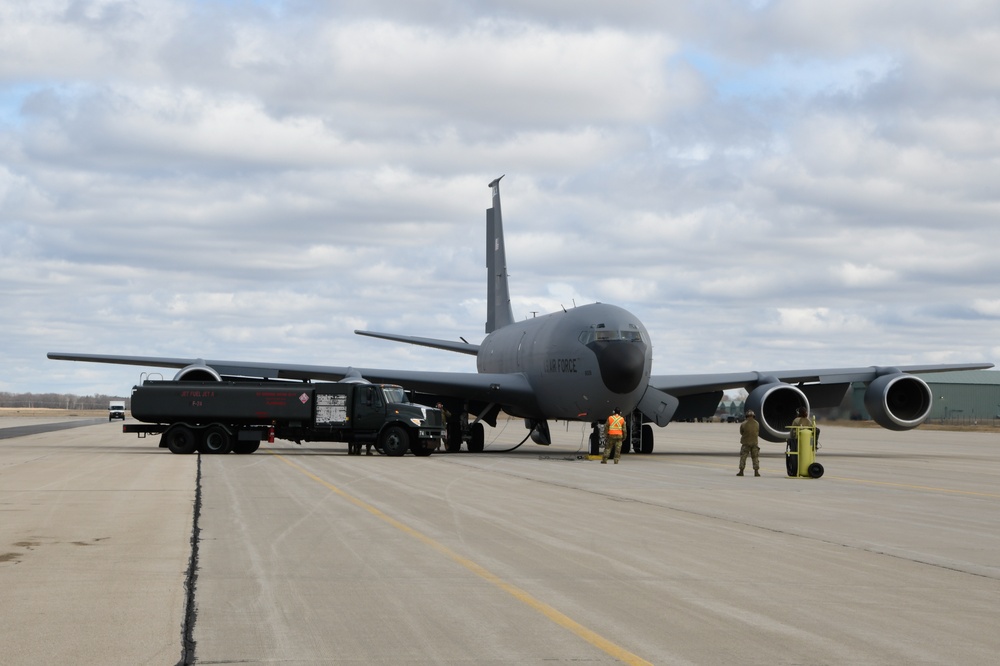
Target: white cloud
987,307
764,184
820,320
853,275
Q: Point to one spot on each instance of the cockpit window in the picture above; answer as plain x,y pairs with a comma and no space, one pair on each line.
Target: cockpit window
602,334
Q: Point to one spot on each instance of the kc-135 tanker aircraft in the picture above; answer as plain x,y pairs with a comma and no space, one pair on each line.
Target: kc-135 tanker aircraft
578,365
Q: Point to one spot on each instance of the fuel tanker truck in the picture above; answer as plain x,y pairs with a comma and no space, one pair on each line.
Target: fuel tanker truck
218,417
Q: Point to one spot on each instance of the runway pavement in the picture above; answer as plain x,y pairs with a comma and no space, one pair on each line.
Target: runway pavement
95,536
307,556
19,427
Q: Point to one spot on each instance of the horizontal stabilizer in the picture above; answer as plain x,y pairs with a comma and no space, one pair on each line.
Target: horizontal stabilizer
448,345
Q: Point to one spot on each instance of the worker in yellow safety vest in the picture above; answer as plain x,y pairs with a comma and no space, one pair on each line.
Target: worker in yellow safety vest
615,432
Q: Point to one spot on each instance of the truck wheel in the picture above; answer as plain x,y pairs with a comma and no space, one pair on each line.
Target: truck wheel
180,440
216,439
245,448
395,441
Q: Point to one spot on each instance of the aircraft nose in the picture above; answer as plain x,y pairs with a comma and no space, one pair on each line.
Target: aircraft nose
621,363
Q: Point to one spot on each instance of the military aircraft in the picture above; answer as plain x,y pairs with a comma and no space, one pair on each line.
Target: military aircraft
579,364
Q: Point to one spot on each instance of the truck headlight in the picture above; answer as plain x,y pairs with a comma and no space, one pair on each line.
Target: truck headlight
417,422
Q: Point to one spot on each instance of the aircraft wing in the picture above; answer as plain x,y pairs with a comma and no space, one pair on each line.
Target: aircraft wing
698,396
682,385
507,389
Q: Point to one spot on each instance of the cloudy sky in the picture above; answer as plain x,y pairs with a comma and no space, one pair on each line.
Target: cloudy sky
765,185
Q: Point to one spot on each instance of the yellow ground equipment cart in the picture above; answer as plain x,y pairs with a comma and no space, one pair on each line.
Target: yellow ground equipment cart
800,452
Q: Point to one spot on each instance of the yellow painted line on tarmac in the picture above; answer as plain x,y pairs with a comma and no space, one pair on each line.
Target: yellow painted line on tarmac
524,597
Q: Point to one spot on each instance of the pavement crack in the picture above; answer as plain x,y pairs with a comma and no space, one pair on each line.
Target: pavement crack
191,580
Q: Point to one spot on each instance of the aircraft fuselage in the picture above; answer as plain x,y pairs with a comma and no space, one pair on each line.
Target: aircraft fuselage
582,363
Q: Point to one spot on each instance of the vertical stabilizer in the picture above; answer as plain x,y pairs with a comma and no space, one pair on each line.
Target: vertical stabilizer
498,312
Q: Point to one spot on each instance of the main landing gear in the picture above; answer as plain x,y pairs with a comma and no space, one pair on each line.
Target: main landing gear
639,440
460,430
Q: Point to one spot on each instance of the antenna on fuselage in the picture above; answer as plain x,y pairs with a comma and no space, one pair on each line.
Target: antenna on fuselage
498,312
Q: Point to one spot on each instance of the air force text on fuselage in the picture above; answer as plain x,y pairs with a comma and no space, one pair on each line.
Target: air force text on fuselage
560,364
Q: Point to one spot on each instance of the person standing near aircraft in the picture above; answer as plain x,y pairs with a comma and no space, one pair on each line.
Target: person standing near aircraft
801,417
749,430
802,420
446,415
615,434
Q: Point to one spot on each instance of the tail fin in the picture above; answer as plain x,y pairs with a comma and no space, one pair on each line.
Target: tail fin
498,312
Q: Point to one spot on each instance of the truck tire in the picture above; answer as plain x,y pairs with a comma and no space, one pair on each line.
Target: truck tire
215,440
395,441
245,448
180,439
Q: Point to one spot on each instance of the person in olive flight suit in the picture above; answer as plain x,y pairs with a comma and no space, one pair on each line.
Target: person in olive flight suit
749,430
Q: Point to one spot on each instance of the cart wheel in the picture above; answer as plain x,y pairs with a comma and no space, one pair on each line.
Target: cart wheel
815,470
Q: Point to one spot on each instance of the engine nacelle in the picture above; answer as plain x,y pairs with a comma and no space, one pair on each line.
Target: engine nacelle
197,372
897,401
353,377
775,405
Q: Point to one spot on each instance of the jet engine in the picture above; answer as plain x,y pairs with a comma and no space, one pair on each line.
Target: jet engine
775,405
898,401
197,372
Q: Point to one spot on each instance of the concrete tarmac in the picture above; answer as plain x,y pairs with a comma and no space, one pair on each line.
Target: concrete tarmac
95,538
308,556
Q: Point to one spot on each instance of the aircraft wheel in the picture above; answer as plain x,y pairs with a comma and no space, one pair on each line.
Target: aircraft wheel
216,440
595,443
453,440
815,470
180,439
478,441
395,441
647,438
